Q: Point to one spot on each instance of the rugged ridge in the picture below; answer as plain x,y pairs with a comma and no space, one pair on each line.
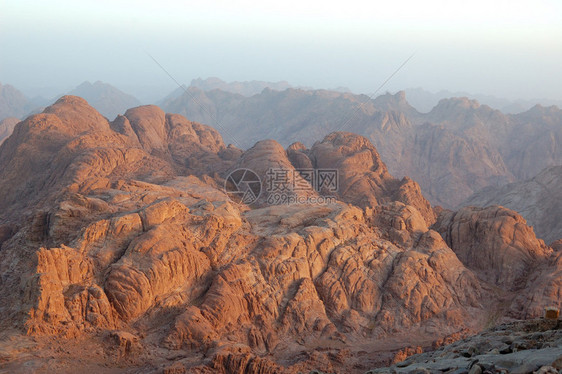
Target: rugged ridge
453,151
119,235
364,179
242,88
538,200
496,244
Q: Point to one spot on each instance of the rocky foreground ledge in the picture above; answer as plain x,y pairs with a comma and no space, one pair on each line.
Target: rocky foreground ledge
532,346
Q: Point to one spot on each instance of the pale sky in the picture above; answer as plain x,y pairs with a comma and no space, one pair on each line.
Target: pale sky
510,49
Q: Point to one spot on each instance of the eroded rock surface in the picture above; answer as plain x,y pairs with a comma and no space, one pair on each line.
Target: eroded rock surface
496,243
538,200
533,346
120,236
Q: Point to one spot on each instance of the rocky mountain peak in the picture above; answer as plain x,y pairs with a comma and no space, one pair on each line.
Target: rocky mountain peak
77,115
395,102
458,103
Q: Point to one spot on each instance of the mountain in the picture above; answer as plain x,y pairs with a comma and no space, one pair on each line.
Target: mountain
538,200
124,247
419,98
424,100
456,149
13,103
108,100
246,89
242,88
289,116
6,127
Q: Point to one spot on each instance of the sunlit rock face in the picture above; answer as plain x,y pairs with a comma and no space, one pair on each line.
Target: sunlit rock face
120,239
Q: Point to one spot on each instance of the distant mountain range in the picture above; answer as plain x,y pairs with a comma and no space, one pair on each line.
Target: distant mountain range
13,102
108,100
243,88
419,98
453,151
247,89
424,100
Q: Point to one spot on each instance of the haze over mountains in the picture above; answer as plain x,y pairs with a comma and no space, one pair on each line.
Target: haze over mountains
242,88
281,187
120,250
13,103
108,100
424,100
452,151
538,199
6,127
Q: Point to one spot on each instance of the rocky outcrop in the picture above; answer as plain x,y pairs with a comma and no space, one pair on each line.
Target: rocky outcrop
519,347
363,179
343,165
299,279
538,200
278,182
494,241
244,363
546,283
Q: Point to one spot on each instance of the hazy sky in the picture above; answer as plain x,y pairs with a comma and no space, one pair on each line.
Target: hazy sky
511,49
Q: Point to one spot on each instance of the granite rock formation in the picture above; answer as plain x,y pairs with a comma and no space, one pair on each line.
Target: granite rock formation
538,200
533,346
117,239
